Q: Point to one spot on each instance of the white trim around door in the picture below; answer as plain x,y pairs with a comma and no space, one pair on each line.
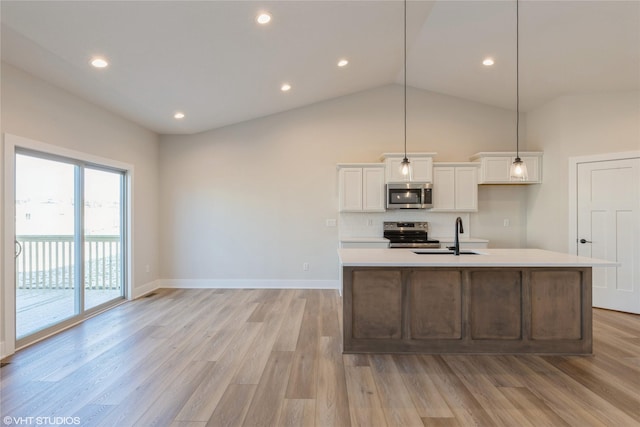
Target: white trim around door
604,222
573,186
12,143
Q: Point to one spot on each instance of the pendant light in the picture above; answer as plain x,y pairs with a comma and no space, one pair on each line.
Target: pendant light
405,166
518,170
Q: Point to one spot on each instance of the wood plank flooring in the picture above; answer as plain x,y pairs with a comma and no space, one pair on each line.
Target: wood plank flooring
186,358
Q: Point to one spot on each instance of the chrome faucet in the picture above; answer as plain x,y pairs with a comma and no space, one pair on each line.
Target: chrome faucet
459,229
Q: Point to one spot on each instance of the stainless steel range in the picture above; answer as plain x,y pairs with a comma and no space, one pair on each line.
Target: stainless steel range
409,235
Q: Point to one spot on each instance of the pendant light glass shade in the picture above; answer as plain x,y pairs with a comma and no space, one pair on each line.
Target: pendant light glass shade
518,171
405,168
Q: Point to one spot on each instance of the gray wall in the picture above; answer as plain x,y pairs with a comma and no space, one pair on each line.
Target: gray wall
249,201
34,109
573,126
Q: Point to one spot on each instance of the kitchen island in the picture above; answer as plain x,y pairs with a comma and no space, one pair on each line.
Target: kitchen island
496,301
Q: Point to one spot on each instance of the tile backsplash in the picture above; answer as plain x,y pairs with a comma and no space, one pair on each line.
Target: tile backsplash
370,224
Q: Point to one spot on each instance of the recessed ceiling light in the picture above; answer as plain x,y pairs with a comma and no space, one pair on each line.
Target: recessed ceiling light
488,62
263,18
285,87
99,62
343,63
179,115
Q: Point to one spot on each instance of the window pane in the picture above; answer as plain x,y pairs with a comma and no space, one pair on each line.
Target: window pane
103,236
45,293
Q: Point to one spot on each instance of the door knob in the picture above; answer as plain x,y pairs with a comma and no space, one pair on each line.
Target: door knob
583,241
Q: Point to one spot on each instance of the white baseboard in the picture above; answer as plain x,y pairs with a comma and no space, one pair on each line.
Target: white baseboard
140,291
247,284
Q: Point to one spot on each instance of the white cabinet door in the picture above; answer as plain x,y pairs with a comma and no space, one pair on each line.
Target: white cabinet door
361,188
496,169
455,188
466,188
421,169
444,188
393,171
350,180
373,199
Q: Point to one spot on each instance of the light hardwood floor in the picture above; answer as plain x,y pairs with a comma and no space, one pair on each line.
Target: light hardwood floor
273,357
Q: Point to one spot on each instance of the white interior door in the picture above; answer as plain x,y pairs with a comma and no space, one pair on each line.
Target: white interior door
609,228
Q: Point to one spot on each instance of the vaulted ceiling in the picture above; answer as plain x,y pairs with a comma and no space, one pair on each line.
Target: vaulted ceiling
211,60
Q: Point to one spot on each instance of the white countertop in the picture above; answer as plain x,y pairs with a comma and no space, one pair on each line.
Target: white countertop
487,258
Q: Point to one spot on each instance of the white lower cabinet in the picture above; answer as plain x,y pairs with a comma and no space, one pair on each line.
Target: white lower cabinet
455,187
361,187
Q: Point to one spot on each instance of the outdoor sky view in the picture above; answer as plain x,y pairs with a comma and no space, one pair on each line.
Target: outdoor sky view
44,199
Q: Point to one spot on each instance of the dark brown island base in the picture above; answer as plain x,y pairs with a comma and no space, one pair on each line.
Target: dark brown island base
482,304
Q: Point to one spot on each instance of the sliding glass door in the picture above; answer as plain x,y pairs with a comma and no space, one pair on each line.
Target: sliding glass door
103,226
45,261
69,241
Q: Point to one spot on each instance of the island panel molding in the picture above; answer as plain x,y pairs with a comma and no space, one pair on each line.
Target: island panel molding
491,321
555,305
481,310
377,304
435,304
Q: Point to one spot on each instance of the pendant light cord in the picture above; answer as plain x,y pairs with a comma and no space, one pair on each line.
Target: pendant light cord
405,79
517,81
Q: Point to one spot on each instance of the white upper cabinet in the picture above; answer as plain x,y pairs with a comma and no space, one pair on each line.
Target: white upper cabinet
466,190
361,187
373,194
444,187
350,189
455,187
421,167
494,167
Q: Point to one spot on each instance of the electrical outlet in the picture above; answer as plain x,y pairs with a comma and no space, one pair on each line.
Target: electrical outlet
331,223
506,223
370,222
305,266
147,268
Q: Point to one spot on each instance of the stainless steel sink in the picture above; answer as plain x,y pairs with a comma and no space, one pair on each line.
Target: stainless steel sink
444,252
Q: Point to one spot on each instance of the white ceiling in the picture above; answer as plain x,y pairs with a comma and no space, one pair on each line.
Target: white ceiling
211,60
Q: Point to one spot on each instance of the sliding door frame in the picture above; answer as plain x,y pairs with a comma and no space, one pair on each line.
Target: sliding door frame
15,144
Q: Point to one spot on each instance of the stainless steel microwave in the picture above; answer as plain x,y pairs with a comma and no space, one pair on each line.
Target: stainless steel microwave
410,195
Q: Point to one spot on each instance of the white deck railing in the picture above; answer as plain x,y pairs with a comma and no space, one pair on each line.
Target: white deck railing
47,262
